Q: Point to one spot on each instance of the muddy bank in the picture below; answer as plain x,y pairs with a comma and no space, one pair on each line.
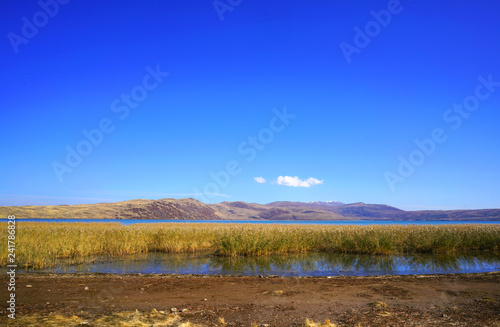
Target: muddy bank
428,300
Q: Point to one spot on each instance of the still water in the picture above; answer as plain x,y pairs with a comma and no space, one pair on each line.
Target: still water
309,264
301,222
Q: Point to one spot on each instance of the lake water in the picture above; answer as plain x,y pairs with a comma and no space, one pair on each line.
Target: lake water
309,264
301,222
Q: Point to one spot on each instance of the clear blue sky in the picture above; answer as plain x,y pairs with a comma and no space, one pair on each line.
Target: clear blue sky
361,86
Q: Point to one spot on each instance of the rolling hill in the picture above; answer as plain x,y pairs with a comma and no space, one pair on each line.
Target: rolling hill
191,209
188,209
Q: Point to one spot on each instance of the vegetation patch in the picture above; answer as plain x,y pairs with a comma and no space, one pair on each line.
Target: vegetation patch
41,245
120,319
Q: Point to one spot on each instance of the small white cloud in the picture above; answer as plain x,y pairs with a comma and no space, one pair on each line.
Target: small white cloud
297,182
260,180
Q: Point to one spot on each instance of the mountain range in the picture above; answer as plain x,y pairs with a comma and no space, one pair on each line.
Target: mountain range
191,209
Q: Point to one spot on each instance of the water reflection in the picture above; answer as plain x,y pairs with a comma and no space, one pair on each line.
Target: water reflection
310,264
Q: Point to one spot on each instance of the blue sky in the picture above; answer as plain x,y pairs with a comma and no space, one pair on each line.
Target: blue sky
321,99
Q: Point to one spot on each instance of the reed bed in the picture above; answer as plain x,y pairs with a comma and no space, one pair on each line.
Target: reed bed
40,245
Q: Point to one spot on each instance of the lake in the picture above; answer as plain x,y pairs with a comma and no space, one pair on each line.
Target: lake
300,222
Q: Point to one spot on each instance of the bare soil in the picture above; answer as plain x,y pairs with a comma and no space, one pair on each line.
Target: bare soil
423,300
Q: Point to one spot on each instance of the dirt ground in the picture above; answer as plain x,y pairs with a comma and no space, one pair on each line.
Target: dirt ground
423,300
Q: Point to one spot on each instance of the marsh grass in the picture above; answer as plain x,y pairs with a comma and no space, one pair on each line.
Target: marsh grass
41,245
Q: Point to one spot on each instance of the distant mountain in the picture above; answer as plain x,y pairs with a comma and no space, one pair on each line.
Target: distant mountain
363,210
274,211
353,210
191,209
479,214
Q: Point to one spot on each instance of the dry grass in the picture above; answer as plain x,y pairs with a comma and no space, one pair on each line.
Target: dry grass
126,319
327,323
119,319
371,239
40,245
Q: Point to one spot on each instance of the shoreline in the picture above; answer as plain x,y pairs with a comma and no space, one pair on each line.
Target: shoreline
166,275
470,299
346,219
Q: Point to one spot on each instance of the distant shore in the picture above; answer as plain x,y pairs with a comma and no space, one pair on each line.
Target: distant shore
192,209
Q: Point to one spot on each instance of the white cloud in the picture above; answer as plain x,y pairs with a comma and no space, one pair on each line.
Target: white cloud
297,182
260,180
